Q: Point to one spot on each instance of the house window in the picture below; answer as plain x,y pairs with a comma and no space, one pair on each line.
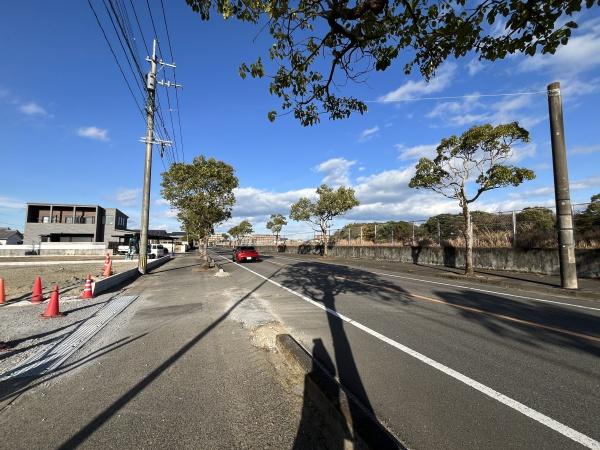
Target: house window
69,219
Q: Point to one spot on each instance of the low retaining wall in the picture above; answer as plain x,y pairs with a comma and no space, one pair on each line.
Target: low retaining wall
105,284
55,248
542,261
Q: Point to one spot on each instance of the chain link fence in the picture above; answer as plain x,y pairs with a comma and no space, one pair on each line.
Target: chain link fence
533,227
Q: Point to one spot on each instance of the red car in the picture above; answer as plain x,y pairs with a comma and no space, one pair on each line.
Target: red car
245,253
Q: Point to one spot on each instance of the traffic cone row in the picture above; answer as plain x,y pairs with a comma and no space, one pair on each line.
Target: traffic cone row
36,295
87,289
52,310
2,293
107,266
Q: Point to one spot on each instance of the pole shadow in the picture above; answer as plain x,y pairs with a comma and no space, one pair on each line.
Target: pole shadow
324,283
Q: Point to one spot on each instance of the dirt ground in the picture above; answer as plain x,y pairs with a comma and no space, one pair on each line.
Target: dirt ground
18,280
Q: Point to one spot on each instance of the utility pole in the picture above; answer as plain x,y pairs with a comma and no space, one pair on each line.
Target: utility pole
149,141
564,213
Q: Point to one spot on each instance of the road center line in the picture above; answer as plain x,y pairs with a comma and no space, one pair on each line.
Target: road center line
485,291
511,403
480,311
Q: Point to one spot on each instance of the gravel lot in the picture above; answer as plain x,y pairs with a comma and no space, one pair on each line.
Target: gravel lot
18,280
26,332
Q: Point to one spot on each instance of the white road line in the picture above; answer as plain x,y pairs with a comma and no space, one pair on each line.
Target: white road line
511,403
486,291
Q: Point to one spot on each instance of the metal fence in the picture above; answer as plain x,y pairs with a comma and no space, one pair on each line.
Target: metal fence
533,227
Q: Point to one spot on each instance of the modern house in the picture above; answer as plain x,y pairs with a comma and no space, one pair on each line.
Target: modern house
54,222
10,237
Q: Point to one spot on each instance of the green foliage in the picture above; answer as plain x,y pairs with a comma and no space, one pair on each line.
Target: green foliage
478,154
357,37
536,218
329,204
588,221
241,230
201,192
276,223
476,157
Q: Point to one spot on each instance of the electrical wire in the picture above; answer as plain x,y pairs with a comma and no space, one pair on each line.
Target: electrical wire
454,97
174,79
140,109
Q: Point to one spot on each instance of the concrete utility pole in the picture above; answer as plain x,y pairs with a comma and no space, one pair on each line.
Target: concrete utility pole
149,141
564,213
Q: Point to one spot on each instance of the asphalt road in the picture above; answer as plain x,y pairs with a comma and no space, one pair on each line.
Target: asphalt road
445,364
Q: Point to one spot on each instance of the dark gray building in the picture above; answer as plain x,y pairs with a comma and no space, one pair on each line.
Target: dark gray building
51,222
10,237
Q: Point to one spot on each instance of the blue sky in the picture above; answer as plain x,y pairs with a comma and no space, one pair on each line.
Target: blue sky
71,130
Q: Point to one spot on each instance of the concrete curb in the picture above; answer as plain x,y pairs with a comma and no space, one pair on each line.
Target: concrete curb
103,285
335,400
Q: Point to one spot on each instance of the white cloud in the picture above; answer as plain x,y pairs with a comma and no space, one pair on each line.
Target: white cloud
128,197
416,152
32,109
475,66
472,110
252,201
368,133
6,202
161,202
585,149
520,152
337,171
585,183
96,133
580,54
414,89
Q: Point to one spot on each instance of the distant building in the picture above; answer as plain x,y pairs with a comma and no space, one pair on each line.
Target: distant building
10,237
49,222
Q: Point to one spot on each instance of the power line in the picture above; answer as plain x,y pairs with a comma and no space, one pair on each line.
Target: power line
139,26
174,78
140,109
454,97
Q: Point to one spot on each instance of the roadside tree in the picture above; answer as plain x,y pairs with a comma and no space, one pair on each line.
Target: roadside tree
320,44
475,159
202,194
240,231
276,224
320,212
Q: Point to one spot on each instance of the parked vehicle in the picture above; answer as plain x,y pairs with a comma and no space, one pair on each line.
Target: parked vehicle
157,251
245,253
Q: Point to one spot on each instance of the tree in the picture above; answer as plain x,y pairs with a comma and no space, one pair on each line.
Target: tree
275,224
225,237
202,194
477,158
240,231
320,212
321,44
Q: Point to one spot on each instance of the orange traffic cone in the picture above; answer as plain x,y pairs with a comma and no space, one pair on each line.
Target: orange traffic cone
87,290
107,266
52,308
2,293
36,295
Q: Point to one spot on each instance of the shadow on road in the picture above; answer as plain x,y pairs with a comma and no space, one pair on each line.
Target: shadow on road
498,313
324,284
105,415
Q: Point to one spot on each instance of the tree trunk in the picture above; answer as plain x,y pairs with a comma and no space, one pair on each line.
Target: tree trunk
325,240
468,240
277,241
205,245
